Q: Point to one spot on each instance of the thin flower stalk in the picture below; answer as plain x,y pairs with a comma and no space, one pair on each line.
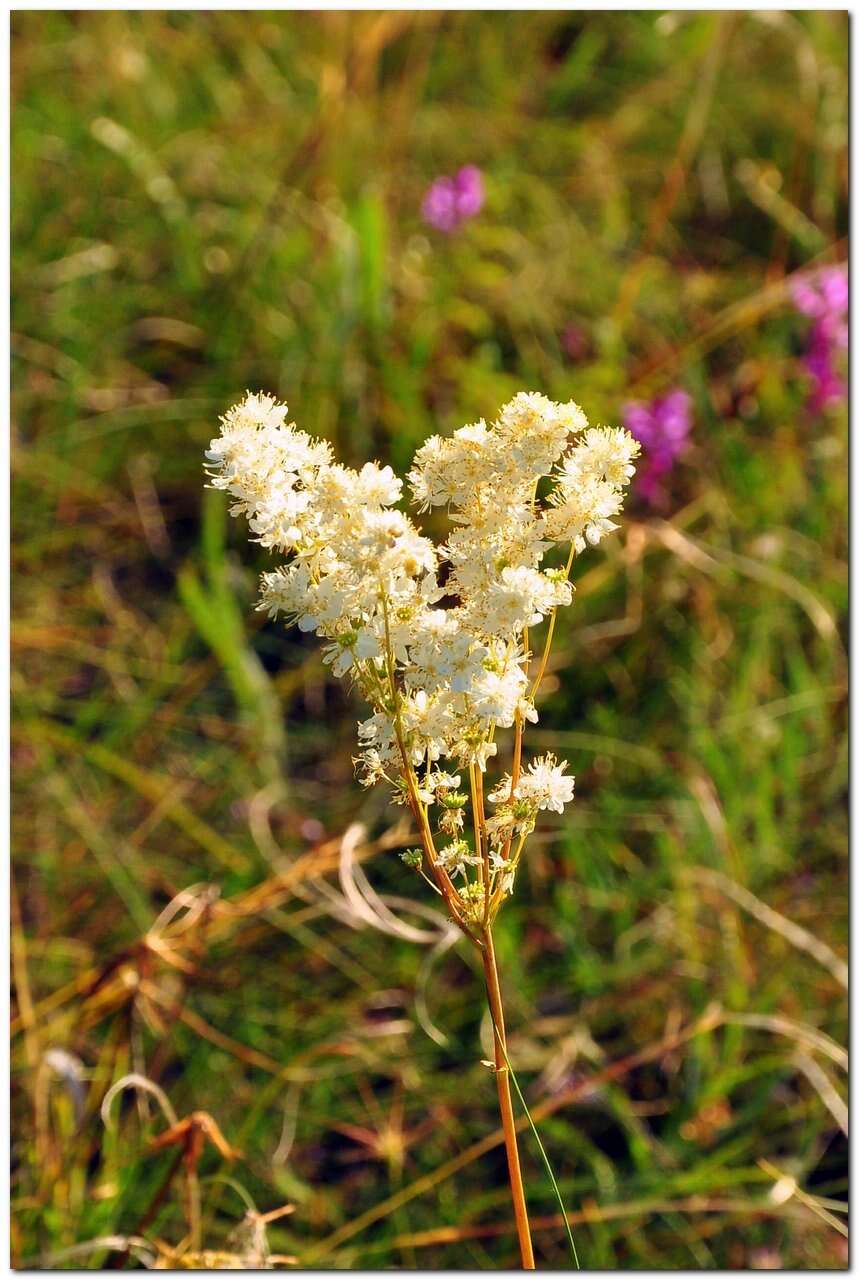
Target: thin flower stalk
445,669
505,1103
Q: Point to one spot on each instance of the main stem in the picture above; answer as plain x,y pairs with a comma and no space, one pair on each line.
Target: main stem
505,1102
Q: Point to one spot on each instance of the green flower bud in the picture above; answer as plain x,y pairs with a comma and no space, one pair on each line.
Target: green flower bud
454,800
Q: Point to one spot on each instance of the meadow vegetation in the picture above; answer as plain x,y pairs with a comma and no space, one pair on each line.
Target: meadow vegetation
204,203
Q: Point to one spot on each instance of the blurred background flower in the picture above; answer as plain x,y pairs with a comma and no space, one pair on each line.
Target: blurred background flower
824,298
662,427
452,201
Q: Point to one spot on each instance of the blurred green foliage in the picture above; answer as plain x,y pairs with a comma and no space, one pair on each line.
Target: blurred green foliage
206,202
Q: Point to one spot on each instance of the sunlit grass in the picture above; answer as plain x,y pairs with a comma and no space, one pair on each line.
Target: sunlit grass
208,202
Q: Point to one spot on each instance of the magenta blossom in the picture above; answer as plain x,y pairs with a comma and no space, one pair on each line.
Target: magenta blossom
824,298
662,427
452,201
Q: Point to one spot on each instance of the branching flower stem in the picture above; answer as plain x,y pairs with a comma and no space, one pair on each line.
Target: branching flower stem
484,945
496,1009
475,815
549,635
440,678
445,884
493,986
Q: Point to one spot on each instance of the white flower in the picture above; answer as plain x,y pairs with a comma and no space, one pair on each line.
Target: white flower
545,784
441,781
589,489
450,470
442,667
603,453
584,515
370,767
537,431
324,602
456,857
496,695
284,591
519,597
257,455
474,750
377,485
349,648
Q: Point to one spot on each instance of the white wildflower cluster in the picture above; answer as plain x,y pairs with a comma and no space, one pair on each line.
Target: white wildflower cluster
442,666
544,785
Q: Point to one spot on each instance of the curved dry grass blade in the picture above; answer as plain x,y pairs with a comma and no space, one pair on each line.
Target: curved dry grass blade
826,1091
794,1030
795,934
443,945
362,897
134,1080
125,1244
